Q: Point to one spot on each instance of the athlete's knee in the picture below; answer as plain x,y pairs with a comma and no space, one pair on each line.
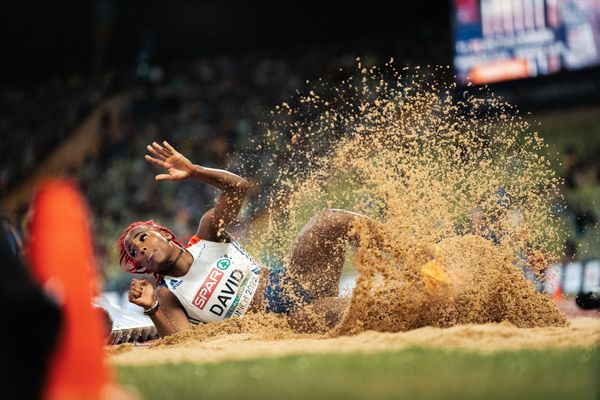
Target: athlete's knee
334,223
337,215
353,225
332,220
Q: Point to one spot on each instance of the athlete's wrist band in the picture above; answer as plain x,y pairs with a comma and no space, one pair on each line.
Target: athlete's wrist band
152,310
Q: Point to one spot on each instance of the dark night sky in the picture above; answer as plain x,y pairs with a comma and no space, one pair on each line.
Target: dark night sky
45,38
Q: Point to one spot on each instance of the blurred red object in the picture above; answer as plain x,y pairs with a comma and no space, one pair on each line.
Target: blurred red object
62,260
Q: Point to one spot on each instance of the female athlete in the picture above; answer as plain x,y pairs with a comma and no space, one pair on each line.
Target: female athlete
212,278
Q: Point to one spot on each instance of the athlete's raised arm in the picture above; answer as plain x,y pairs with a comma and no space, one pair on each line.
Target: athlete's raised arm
233,188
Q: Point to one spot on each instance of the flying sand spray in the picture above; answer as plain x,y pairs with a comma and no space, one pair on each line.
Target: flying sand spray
459,182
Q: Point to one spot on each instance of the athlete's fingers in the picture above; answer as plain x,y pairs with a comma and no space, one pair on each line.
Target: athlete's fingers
135,288
146,287
165,153
169,147
163,177
156,153
144,283
134,294
154,161
135,285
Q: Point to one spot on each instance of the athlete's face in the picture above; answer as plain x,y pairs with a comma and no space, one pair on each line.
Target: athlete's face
150,247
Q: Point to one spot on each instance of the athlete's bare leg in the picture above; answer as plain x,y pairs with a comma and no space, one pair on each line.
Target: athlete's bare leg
316,263
317,257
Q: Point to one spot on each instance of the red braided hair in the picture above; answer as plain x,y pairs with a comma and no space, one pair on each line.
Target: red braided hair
124,256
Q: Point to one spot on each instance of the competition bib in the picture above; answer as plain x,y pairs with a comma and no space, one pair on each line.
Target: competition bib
220,284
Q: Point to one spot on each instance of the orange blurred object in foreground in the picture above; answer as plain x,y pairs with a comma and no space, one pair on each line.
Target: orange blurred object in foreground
62,260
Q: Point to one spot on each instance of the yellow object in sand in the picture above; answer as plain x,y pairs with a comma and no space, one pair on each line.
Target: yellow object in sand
434,277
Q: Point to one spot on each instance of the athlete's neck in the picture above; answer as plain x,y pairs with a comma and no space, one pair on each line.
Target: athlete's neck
181,263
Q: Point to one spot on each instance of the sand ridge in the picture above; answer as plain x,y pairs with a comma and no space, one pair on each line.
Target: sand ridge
583,332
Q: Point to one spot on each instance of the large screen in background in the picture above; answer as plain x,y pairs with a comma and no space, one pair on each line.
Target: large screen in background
498,40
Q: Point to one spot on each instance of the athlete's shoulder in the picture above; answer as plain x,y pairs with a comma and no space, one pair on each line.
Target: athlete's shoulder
196,240
193,240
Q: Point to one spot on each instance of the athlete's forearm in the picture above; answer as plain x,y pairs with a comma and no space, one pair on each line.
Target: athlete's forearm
219,178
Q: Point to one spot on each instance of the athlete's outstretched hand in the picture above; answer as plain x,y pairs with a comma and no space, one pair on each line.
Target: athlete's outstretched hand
141,293
177,166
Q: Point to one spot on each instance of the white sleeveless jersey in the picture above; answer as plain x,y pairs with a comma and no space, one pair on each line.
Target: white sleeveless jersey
220,283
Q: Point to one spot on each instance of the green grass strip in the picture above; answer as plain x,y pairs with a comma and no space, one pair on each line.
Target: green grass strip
414,373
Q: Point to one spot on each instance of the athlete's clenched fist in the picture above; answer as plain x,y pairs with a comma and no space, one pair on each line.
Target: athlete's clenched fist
141,293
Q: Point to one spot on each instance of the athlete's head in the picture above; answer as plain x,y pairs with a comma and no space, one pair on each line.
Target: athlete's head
146,247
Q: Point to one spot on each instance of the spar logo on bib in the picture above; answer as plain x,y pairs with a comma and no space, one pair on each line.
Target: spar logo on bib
207,288
223,263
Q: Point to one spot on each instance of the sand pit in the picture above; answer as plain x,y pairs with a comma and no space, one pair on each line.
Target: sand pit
582,332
